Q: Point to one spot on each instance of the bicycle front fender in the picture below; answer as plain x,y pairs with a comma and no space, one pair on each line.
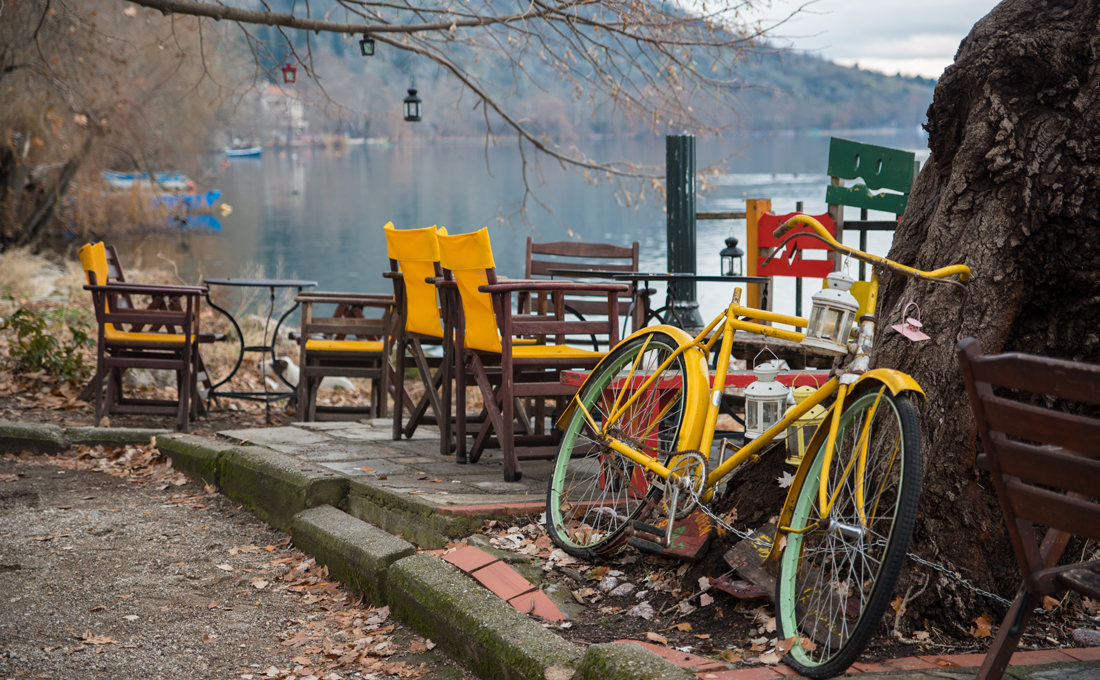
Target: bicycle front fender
895,381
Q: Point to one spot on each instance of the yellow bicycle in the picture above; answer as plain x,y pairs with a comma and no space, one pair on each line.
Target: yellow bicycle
635,434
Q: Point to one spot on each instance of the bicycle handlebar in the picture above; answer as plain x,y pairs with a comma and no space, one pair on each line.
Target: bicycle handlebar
823,234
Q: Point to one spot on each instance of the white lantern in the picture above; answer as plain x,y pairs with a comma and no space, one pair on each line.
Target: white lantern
832,316
765,401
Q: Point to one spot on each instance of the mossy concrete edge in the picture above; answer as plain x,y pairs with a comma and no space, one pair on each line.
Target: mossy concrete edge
37,438
407,516
471,624
356,553
276,486
111,436
626,661
196,457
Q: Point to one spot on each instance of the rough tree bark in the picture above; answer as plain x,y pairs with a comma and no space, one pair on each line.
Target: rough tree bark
1012,189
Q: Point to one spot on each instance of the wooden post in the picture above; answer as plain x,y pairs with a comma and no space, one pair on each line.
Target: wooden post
754,208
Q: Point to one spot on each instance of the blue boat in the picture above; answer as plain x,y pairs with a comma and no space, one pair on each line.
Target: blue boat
203,201
239,153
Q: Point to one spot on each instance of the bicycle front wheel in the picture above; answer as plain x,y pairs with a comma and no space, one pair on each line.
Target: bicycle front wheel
836,579
595,493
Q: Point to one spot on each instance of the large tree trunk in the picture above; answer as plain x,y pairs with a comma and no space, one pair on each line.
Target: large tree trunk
1012,189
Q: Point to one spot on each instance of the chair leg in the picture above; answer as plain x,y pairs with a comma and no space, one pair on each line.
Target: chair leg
460,407
184,390
444,422
399,384
1008,635
507,433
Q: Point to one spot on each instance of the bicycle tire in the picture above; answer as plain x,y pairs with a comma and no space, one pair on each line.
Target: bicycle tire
835,581
595,493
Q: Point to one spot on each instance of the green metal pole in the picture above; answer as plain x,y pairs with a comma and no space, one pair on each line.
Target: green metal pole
680,209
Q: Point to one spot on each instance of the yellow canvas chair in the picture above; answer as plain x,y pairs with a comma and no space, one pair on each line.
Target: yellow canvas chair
420,320
347,344
152,340
485,330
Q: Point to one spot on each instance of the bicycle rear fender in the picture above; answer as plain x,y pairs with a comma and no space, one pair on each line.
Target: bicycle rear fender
895,381
695,362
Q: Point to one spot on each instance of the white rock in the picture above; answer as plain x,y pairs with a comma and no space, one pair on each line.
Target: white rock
608,583
641,611
623,590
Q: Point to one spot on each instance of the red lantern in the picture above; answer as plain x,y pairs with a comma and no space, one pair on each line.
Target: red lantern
290,74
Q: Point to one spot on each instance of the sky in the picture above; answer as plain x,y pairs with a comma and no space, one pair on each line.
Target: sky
911,37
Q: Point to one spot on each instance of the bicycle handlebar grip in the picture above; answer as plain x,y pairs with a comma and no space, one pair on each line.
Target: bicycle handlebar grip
783,229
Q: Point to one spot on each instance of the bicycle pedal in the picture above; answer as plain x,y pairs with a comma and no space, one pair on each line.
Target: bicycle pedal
648,528
647,546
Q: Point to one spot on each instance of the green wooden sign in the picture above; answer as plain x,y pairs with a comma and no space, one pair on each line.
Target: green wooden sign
879,167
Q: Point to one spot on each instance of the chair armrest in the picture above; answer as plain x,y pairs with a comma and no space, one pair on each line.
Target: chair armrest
534,286
393,275
440,282
353,299
146,289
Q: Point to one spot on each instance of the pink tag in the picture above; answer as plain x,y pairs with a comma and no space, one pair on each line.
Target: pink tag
911,328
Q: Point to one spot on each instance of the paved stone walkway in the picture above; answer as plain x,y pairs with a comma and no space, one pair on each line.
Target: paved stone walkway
366,452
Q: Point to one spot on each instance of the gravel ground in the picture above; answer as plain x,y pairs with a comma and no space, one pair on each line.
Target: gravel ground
107,577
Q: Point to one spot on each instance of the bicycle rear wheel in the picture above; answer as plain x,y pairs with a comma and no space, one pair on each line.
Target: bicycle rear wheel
836,579
596,493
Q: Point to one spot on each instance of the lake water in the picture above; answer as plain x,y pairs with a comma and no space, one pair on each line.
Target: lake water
317,215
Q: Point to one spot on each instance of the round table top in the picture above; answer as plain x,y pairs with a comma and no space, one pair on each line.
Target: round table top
261,283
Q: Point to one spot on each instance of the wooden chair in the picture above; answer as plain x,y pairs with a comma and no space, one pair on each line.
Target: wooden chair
880,168
115,274
485,332
1045,464
346,344
118,349
579,256
414,258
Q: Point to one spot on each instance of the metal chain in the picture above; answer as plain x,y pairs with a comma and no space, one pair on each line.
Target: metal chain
761,542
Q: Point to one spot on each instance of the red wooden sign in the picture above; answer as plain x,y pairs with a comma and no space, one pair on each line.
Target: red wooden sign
790,262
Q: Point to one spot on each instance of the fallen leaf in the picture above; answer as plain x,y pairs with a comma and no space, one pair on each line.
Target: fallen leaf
654,637
782,646
368,469
785,480
269,548
224,567
983,627
207,637
9,478
703,636
131,617
1050,602
437,480
212,605
944,663
90,639
98,608
769,625
705,600
729,656
771,658
896,603
259,583
417,647
704,583
920,635
685,627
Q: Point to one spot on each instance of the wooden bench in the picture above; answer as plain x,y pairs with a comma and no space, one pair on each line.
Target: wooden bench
1045,464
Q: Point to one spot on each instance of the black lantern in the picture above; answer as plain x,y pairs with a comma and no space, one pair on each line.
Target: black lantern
366,46
731,258
412,105
290,74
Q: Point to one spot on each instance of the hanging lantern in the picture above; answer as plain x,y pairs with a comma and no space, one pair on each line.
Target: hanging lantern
834,312
290,74
366,46
765,401
412,105
800,433
911,328
731,258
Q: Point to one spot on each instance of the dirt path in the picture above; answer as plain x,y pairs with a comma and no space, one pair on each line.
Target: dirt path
101,577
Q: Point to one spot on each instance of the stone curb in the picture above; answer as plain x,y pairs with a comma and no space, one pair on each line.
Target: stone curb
355,552
473,625
196,457
275,486
403,516
618,661
42,438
